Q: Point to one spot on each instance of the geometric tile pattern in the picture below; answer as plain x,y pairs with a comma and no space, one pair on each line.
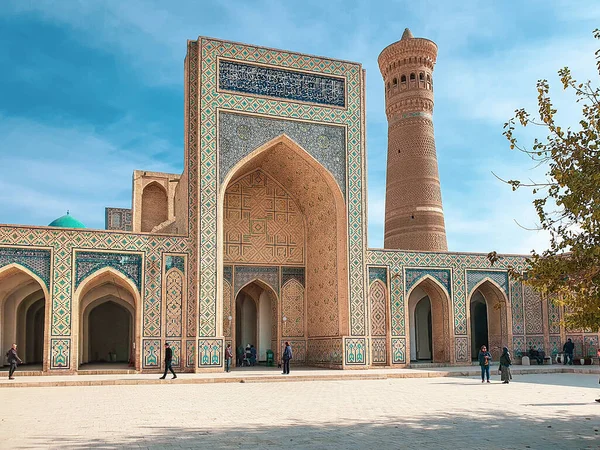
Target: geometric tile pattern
298,350
176,348
355,351
245,274
151,354
262,223
227,309
129,265
398,351
210,352
61,354
190,353
553,317
292,273
378,351
378,273
475,276
378,299
441,275
173,261
281,83
202,59
461,349
555,345
533,311
38,261
173,304
325,351
240,134
293,305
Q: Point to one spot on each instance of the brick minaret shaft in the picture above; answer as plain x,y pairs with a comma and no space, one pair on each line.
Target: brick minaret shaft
414,218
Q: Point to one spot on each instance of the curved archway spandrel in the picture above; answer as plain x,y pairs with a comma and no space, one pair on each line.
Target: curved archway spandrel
107,275
240,134
497,277
14,268
128,264
36,261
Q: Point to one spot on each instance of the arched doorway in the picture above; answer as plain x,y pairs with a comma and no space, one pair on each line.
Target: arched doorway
23,298
489,320
108,316
282,210
256,319
429,322
479,324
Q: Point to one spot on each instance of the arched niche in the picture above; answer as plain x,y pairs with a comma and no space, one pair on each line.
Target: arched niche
155,206
103,286
441,320
489,293
24,314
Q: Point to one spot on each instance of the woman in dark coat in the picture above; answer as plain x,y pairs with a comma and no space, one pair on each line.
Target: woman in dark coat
505,363
485,359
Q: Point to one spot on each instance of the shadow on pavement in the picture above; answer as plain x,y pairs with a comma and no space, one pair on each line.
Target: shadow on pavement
483,429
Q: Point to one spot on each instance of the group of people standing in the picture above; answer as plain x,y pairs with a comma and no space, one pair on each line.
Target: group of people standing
485,360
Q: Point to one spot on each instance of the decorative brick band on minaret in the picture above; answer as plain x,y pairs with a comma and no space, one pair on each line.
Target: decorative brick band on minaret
414,218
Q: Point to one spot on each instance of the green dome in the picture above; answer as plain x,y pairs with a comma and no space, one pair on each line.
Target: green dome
66,221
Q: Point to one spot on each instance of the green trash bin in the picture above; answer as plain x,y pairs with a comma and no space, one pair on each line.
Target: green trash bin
270,358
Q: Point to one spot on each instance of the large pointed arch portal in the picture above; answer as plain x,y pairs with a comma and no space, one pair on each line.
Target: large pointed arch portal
280,208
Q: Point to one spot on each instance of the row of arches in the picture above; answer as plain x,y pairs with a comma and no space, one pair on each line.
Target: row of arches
106,315
430,321
422,80
409,60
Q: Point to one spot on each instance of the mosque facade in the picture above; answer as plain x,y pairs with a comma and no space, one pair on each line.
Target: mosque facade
263,237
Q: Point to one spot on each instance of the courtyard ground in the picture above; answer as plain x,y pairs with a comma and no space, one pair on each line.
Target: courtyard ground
537,411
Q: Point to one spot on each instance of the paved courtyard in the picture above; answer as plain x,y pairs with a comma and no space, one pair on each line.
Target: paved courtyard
541,411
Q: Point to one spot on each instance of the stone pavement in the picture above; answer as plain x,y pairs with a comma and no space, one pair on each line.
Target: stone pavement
537,411
261,374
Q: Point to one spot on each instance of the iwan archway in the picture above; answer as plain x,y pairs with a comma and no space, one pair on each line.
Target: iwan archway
429,322
489,318
283,215
107,313
23,315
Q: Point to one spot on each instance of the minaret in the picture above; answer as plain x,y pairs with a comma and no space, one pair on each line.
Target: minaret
414,218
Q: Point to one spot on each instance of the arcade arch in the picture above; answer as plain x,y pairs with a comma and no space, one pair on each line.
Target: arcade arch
488,308
107,315
23,314
429,322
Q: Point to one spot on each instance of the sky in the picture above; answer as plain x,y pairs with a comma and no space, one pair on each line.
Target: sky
91,90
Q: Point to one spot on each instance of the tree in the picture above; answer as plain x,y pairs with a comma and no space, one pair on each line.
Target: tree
567,202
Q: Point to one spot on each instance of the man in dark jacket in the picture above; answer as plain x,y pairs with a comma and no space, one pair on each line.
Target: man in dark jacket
568,348
13,359
287,355
168,362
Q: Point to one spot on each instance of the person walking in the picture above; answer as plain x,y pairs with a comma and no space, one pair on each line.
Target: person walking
13,360
505,363
287,355
568,349
168,362
228,358
485,358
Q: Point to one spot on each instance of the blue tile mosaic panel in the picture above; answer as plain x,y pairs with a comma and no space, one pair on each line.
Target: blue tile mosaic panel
246,274
174,261
498,277
441,275
129,264
210,352
38,261
378,273
60,350
281,83
355,350
292,273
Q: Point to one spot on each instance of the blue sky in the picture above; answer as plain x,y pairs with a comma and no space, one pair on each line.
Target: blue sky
92,89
